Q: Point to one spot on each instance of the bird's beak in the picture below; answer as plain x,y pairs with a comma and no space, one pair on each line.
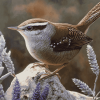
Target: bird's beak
13,28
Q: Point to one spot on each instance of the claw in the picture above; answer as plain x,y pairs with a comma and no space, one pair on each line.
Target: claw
53,73
41,64
48,73
45,76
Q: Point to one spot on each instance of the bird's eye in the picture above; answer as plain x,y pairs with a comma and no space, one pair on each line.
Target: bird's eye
29,28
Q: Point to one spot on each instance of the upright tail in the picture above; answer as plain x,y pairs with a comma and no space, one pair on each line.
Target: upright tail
90,17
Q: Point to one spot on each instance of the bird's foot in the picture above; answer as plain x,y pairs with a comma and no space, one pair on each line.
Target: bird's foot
41,64
45,76
48,74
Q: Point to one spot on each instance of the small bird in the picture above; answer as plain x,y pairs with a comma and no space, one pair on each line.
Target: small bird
56,43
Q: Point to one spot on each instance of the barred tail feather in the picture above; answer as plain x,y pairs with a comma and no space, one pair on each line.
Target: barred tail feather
91,16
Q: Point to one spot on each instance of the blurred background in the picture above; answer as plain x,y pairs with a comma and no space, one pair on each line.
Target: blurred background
14,12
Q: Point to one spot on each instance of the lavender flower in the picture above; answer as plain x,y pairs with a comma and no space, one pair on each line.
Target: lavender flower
5,57
45,93
1,79
8,62
2,45
1,92
94,65
2,42
92,60
95,68
36,94
83,86
16,91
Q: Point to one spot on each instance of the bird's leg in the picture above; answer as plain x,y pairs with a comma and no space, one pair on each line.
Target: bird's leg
53,73
41,64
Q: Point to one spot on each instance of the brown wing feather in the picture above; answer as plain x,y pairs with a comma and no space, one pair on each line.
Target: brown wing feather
75,39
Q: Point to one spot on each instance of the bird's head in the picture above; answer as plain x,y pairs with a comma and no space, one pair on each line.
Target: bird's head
33,28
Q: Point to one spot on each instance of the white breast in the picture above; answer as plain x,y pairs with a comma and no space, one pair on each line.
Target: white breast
43,53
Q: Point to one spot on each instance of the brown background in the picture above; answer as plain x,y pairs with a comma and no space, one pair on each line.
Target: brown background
14,12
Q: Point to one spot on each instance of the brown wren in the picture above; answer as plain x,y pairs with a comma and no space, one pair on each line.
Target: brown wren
56,43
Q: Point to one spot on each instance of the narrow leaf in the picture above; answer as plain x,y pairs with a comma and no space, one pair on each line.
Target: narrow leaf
5,76
1,70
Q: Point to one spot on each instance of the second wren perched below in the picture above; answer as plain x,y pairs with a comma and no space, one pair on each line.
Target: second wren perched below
56,43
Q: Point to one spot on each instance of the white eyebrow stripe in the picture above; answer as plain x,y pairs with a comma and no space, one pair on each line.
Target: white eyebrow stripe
35,24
